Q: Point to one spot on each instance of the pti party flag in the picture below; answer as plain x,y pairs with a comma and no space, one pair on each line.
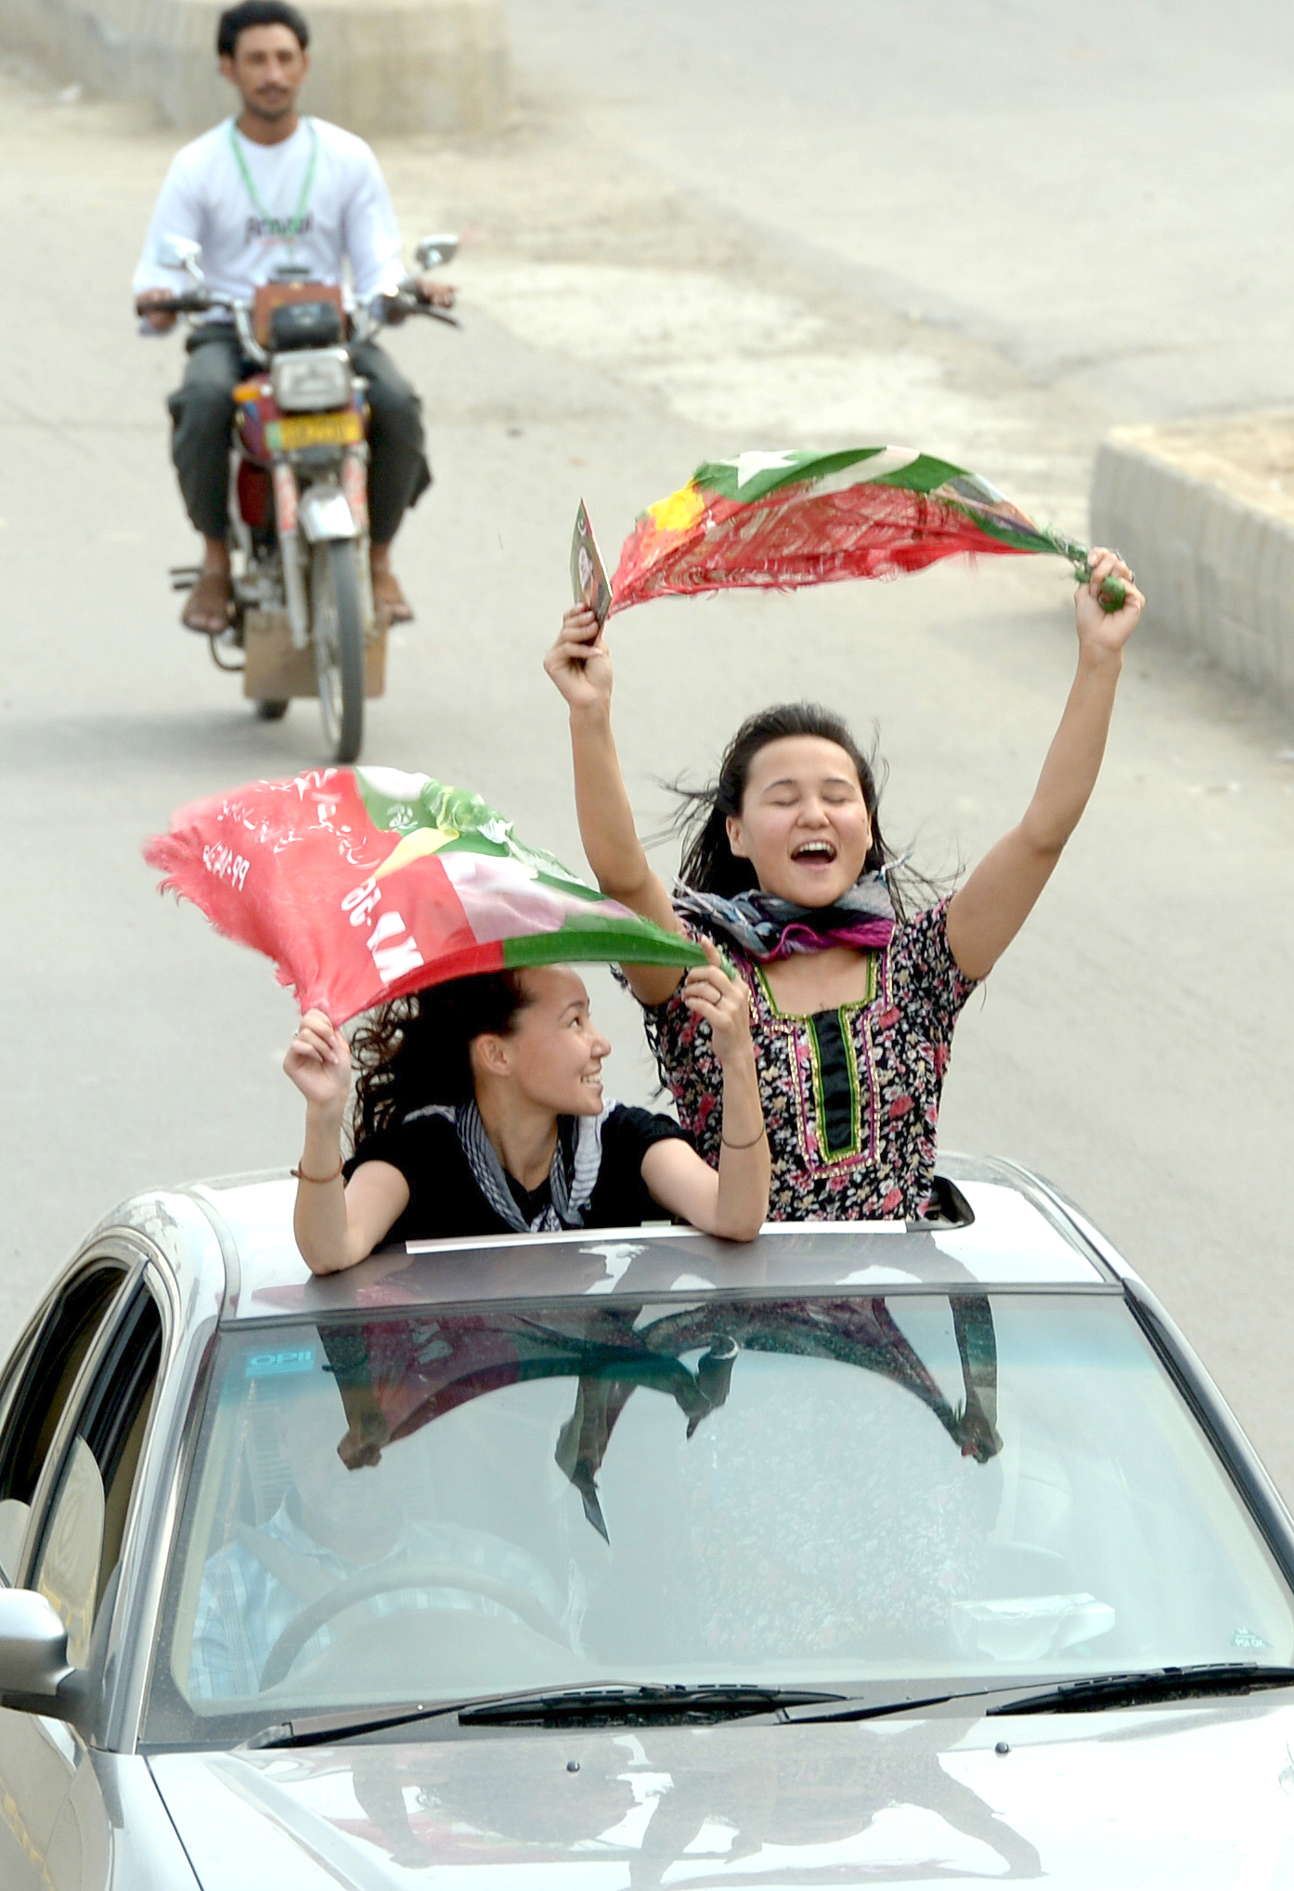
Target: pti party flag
363,884
790,519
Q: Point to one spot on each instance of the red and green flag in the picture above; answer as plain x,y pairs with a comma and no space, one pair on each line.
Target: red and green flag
790,519
363,884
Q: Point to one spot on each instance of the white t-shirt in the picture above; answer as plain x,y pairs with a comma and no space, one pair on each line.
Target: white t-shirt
246,234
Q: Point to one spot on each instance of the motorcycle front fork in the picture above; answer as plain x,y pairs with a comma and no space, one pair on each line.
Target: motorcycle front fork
354,484
294,549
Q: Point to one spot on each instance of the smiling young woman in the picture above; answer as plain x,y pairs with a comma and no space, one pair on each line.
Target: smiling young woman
853,1003
479,1110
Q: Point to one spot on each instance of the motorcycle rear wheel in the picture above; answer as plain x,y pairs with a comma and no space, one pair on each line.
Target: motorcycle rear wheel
337,631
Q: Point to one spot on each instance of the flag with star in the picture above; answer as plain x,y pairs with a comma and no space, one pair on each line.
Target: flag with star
364,884
790,519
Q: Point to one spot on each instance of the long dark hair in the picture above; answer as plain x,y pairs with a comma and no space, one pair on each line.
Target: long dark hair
709,863
417,1050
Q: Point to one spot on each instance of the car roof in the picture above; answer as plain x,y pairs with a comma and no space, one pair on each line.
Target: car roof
1011,1231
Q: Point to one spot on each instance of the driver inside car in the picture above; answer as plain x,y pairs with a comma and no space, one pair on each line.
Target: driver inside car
271,191
334,1524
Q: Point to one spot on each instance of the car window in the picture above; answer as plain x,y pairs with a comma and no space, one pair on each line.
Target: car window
828,1492
84,1522
42,1380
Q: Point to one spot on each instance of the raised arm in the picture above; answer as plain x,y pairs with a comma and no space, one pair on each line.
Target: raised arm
732,1202
987,912
336,1224
580,665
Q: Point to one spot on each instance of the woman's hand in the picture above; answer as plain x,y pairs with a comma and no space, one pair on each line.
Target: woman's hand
712,993
581,668
733,1202
1102,632
318,1062
579,662
336,1223
986,913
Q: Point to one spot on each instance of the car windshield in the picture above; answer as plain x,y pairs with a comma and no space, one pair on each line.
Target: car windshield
838,1493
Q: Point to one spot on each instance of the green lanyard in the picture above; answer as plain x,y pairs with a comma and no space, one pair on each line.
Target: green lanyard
292,229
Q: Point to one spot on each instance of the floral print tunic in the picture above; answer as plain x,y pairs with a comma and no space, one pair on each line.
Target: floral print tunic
851,1097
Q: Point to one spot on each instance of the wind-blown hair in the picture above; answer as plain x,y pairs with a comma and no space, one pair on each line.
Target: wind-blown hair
417,1050
709,863
236,20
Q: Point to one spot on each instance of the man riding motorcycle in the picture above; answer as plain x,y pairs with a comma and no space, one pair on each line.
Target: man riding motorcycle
271,193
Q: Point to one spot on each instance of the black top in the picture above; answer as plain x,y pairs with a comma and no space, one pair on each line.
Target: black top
444,1201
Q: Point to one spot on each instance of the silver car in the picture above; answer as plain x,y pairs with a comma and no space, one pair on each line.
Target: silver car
863,1554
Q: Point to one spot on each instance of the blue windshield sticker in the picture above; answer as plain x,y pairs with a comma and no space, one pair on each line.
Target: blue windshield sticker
275,1365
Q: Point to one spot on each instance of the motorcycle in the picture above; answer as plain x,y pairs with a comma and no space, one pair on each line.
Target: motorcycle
298,489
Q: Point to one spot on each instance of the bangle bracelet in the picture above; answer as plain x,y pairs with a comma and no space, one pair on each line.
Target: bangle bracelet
743,1145
301,1175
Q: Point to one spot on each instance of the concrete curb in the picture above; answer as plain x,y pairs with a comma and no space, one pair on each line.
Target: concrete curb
1200,512
379,67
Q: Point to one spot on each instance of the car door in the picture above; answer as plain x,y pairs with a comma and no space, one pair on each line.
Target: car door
37,1383
72,1442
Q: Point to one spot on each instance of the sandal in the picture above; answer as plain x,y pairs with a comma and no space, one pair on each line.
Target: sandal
210,604
389,601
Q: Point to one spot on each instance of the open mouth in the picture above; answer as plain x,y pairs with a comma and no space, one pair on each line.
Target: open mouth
814,853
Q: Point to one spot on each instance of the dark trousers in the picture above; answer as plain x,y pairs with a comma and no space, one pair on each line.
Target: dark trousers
202,410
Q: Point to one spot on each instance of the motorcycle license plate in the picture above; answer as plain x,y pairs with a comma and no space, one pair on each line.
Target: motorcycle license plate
296,430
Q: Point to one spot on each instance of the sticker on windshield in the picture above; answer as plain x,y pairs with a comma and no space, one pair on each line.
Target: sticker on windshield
276,1364
1246,1638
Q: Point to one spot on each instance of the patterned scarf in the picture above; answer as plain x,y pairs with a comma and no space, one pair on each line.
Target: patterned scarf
572,1179
765,927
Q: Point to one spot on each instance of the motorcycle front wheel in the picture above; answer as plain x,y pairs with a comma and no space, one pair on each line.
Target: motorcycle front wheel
337,631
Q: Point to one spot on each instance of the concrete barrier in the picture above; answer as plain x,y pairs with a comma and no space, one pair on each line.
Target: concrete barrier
1204,512
379,67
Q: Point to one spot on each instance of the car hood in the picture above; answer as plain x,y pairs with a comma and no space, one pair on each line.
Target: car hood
1188,1796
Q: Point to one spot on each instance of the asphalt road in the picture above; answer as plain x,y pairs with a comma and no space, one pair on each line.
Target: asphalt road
982,229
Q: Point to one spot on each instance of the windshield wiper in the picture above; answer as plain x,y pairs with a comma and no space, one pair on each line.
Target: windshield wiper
662,1704
613,1704
1147,1687
1085,1695
313,1730
639,1706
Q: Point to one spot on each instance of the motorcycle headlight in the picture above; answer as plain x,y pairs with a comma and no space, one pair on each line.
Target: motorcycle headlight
311,379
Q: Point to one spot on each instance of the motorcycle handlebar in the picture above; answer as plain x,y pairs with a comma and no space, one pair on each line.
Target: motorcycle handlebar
406,302
202,301
195,302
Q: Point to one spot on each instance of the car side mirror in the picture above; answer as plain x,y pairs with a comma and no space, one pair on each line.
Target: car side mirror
35,1675
432,251
181,252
